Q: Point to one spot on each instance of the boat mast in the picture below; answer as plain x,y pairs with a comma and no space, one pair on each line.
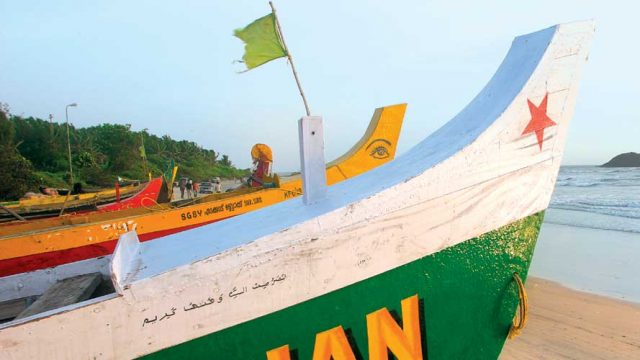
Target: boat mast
293,68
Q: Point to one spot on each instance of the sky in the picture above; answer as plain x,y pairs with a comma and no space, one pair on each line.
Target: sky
168,66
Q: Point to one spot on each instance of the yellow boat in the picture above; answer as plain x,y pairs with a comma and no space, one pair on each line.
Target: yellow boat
57,202
52,242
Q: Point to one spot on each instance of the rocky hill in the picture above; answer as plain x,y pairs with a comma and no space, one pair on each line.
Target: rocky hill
629,159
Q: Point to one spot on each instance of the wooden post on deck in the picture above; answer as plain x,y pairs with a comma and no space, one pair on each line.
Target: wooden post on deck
314,175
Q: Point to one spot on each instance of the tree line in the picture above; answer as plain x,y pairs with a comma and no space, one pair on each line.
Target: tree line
34,152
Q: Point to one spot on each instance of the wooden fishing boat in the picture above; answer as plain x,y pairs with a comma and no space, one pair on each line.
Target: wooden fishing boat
151,193
52,242
155,192
440,237
58,200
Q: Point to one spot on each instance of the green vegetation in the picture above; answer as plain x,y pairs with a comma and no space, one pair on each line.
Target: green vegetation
34,152
16,174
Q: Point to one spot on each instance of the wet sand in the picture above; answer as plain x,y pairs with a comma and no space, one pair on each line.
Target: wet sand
569,324
596,261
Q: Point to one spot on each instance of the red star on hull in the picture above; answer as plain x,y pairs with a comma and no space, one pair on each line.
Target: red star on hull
539,120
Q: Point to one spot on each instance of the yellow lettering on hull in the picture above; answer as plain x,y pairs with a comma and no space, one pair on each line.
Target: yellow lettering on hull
383,334
281,353
332,345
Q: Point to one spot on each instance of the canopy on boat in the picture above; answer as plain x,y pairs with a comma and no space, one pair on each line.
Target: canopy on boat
261,152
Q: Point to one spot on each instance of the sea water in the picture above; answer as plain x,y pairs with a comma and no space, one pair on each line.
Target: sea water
590,238
597,197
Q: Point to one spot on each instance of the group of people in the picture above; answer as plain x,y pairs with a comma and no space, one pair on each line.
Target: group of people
189,187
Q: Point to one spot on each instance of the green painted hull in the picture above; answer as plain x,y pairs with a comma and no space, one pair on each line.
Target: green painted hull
467,302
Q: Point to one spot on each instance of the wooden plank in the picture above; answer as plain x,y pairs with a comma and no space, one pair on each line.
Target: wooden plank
11,308
312,164
66,292
13,213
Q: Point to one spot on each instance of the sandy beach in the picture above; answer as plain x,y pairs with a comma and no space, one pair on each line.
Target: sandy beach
590,307
569,324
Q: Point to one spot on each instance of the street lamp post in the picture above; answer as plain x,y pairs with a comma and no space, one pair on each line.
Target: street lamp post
51,127
66,113
143,152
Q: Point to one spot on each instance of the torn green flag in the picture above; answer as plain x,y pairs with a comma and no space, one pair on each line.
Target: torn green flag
262,42
168,175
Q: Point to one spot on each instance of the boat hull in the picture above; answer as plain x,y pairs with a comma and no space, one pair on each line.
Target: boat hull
466,295
40,250
88,252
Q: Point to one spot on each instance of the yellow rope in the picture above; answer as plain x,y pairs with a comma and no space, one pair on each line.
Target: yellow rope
161,207
520,320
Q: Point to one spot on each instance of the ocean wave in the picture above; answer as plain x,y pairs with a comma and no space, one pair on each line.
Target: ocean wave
622,211
596,193
592,220
576,184
597,182
593,226
597,202
595,176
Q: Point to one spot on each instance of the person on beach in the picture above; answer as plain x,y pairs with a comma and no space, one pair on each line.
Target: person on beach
217,187
189,188
195,189
183,186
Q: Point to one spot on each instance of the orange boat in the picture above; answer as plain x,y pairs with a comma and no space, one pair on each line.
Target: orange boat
52,242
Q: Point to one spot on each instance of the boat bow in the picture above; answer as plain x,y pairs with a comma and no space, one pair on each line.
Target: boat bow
491,167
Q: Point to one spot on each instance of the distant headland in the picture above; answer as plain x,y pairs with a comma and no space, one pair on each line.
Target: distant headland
629,159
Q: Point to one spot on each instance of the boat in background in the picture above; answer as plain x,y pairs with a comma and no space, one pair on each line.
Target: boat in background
58,200
441,237
47,243
47,206
155,192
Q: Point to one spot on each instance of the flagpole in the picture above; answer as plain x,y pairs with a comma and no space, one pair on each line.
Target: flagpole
293,68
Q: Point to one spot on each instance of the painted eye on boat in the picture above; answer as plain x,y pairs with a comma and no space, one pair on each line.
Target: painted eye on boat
379,149
380,152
